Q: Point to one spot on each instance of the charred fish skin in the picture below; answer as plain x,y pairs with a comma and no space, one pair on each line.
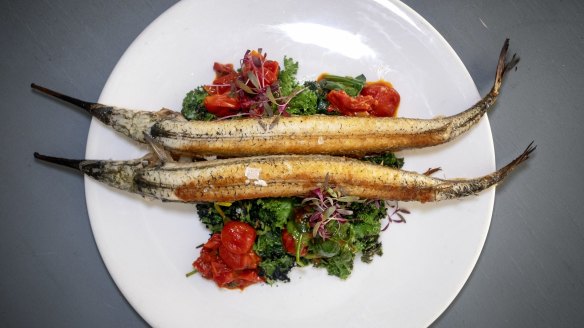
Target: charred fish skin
318,134
278,176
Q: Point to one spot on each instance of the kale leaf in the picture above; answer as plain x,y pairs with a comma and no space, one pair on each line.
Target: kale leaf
340,265
276,269
271,213
303,103
366,221
193,107
210,217
287,77
386,159
269,245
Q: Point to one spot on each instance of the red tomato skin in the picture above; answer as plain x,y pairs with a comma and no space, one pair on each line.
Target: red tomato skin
237,271
234,261
349,106
238,237
221,105
387,99
267,75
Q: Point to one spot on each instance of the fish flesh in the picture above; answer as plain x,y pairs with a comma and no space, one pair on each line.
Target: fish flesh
315,134
277,176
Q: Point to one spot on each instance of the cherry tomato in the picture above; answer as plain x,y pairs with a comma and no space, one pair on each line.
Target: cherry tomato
250,260
266,70
226,268
271,71
350,106
225,76
223,69
238,237
290,244
386,98
221,105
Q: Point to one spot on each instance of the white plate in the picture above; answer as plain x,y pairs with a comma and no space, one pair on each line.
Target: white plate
149,246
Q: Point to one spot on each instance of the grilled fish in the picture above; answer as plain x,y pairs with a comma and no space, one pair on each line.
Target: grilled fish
316,134
277,176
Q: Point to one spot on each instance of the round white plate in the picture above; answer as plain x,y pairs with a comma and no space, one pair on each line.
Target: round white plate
148,246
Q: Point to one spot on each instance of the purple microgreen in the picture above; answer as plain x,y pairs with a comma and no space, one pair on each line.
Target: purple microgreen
244,87
254,80
263,125
270,96
329,205
397,211
274,122
268,109
256,61
232,116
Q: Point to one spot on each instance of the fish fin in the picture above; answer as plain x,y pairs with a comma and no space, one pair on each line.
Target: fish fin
432,170
158,150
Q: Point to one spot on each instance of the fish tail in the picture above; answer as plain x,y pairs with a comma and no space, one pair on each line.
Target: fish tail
456,189
462,122
503,67
99,111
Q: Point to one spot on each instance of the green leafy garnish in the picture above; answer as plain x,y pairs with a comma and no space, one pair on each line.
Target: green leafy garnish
351,85
193,107
386,159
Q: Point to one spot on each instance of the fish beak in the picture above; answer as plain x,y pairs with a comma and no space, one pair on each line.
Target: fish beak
99,111
72,163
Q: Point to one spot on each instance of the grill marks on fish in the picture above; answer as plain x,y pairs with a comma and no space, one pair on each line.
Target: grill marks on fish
284,176
333,135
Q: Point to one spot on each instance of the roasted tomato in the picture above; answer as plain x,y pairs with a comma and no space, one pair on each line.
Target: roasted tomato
225,76
221,105
266,70
226,268
386,98
349,106
250,260
290,244
238,237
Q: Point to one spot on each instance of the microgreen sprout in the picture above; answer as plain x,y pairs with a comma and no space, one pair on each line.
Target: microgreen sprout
395,211
330,205
261,99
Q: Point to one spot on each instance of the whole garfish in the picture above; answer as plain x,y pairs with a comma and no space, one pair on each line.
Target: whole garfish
316,134
276,176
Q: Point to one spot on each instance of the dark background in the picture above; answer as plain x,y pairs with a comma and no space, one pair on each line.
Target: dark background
531,271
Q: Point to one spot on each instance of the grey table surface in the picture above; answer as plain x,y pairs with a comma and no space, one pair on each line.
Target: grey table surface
530,273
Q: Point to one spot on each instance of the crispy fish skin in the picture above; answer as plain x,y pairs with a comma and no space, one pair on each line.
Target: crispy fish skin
321,134
317,134
278,176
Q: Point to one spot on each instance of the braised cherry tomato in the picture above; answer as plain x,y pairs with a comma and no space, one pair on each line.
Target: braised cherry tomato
249,260
386,98
350,106
290,244
225,76
266,70
221,105
223,69
238,237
